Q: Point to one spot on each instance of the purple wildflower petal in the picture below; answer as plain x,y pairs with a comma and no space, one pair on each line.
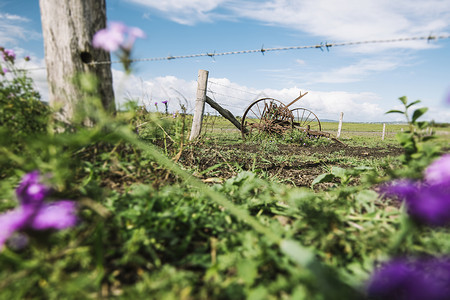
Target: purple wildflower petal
56,215
431,205
165,102
135,32
9,55
110,38
30,191
439,171
427,204
402,188
9,223
422,279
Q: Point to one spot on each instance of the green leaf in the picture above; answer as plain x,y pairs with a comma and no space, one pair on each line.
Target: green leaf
412,103
404,100
298,253
338,172
248,271
404,138
395,111
417,113
366,196
323,178
422,125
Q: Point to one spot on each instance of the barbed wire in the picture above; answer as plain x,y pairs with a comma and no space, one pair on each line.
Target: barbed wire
263,50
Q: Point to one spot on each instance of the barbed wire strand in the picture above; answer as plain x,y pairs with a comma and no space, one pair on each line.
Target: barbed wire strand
263,50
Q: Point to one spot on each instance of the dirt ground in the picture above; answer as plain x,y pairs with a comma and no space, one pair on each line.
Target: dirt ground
292,164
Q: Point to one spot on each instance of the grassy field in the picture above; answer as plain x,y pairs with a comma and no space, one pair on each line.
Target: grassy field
352,133
216,218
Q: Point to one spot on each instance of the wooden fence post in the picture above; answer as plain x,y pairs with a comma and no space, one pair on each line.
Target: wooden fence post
340,125
202,82
68,27
384,131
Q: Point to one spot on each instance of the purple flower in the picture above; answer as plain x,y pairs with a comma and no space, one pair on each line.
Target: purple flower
30,191
164,102
5,70
412,280
27,58
439,171
133,33
156,103
33,213
427,204
113,37
9,55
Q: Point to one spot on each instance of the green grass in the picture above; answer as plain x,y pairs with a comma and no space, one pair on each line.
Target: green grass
151,229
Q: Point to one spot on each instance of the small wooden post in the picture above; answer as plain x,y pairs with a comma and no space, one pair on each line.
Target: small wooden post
384,131
340,125
202,82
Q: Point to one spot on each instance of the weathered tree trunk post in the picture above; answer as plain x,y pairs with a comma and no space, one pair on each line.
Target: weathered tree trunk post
340,125
384,131
68,27
202,82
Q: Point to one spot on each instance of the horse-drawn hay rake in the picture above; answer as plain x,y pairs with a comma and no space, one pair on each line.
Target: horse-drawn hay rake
267,117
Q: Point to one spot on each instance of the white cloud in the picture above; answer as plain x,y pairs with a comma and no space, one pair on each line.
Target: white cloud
10,17
236,98
186,12
12,29
176,91
338,21
352,73
352,20
357,107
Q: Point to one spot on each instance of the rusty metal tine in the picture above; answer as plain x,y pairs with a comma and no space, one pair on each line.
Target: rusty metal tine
296,99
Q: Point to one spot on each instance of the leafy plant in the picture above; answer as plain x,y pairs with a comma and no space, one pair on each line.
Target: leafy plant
21,111
418,153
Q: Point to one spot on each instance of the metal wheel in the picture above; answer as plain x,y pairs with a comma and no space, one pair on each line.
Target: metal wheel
304,119
265,117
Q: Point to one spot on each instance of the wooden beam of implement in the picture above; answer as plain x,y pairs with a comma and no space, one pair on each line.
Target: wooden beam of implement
224,112
296,99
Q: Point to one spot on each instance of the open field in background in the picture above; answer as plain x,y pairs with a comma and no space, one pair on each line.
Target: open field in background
362,134
221,153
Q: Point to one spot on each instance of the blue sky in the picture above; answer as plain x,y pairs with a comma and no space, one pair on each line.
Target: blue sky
361,81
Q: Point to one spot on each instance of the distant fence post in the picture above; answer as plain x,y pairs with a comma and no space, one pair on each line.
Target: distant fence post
340,125
384,131
202,82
